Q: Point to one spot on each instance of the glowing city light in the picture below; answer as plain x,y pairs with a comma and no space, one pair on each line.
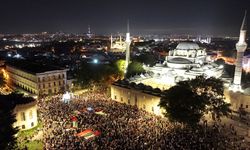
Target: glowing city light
95,61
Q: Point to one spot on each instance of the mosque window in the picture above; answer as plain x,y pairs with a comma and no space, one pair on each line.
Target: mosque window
121,99
23,126
22,116
115,97
32,124
59,76
31,114
63,75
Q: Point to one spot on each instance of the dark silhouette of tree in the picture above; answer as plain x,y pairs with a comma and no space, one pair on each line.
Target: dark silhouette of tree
182,105
2,81
7,131
134,68
220,62
196,98
147,58
229,69
245,77
90,74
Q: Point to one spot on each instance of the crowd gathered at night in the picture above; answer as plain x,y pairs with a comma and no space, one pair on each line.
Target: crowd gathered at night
121,126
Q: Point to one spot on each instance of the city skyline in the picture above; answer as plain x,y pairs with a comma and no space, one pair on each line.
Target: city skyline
157,17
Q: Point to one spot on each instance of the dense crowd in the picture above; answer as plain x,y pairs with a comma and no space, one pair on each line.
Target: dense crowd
123,126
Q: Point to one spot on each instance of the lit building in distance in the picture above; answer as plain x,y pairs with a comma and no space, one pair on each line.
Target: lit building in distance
37,79
117,45
89,34
206,40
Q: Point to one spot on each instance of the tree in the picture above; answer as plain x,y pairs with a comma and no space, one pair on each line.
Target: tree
134,68
220,61
7,131
93,74
196,97
2,81
120,67
182,105
147,58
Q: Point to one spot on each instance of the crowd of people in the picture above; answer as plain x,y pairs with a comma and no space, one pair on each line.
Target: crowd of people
122,126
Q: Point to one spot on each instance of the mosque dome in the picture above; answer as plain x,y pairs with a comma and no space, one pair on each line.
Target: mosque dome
247,91
187,46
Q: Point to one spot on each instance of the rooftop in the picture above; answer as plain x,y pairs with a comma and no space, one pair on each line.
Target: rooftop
32,67
141,87
15,99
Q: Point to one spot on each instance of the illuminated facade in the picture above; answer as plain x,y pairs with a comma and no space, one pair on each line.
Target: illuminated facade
187,61
117,46
37,79
186,55
138,95
239,100
26,115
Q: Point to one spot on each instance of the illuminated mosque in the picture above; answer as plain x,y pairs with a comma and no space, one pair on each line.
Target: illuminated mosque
187,61
117,45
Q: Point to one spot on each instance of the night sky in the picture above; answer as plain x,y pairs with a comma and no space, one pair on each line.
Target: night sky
212,17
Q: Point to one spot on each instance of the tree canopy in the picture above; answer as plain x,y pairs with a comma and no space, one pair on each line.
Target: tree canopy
147,58
7,131
189,100
134,68
97,73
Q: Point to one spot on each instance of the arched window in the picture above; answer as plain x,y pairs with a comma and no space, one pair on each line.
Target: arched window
31,114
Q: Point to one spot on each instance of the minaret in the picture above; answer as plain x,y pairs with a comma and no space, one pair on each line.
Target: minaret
89,32
128,41
120,40
111,42
241,46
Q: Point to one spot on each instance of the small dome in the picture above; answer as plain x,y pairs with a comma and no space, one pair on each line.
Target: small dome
247,91
187,46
